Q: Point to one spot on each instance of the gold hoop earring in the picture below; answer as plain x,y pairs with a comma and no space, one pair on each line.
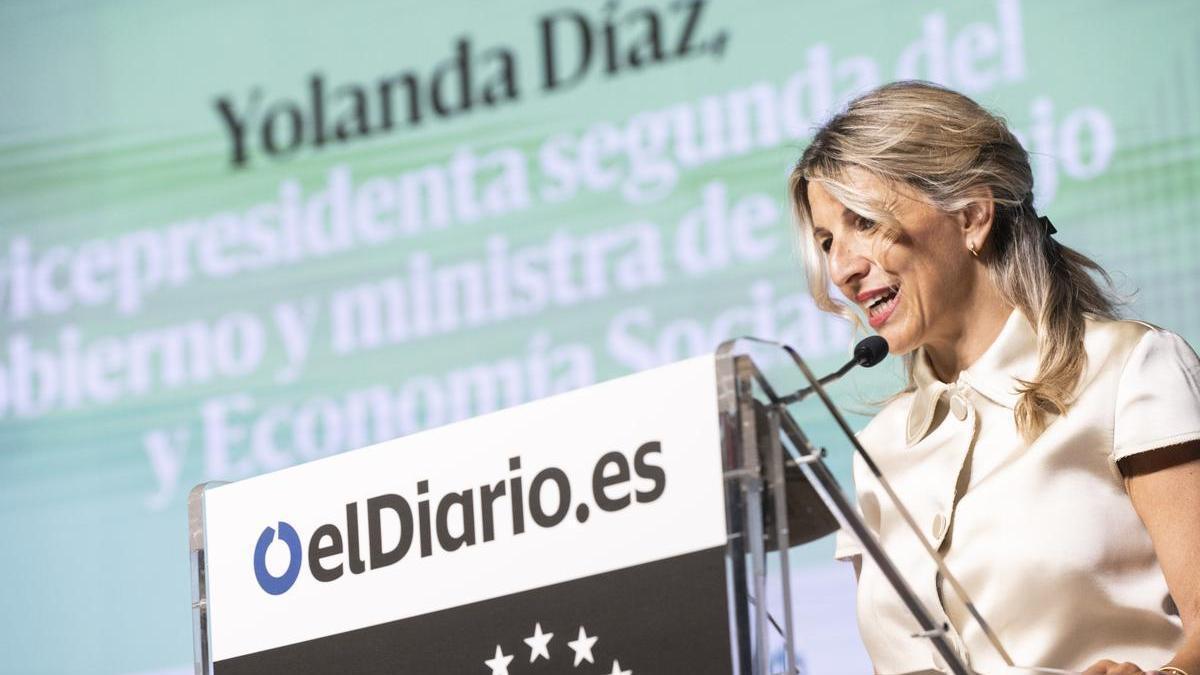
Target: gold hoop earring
971,248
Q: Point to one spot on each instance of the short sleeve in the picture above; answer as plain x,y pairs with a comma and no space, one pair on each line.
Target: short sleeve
846,545
1158,396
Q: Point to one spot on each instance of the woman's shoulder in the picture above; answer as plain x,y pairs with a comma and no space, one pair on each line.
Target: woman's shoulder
1121,343
1155,384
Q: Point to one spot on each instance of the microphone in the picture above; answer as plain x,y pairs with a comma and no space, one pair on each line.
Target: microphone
868,352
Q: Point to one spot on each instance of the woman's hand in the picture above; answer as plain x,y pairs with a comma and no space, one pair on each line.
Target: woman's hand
1106,667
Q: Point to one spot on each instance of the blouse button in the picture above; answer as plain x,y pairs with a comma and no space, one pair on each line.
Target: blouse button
958,406
939,526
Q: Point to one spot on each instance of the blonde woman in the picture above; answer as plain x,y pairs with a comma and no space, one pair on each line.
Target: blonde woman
1049,451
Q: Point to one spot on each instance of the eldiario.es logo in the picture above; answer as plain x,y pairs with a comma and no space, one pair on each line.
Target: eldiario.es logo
277,585
331,549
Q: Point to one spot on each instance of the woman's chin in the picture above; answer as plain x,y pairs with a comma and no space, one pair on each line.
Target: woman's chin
899,342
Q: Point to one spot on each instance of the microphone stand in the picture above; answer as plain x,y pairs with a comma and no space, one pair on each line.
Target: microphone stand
738,370
900,508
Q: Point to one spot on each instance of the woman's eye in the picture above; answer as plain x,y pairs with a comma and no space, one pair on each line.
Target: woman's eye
825,244
864,223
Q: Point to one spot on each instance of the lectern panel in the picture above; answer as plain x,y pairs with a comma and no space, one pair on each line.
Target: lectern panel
651,618
597,513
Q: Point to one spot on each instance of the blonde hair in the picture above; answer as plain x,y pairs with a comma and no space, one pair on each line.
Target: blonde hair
947,147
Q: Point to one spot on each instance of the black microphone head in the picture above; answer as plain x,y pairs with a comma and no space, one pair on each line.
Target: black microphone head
870,351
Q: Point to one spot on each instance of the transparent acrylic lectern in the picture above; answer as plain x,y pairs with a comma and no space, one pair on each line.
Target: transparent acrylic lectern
770,483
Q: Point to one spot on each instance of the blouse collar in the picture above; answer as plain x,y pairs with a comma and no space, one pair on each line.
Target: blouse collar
1012,357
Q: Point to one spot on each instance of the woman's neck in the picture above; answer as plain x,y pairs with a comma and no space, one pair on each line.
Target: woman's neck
969,334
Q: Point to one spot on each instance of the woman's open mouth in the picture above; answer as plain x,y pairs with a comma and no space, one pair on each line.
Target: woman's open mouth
881,307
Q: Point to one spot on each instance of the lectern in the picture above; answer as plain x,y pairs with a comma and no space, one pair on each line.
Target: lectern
618,529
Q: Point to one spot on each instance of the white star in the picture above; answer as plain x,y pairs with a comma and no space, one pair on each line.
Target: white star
582,646
617,669
499,663
537,643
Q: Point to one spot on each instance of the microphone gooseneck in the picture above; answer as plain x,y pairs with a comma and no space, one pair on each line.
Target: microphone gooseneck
867,353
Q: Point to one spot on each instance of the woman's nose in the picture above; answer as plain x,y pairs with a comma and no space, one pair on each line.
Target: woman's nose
846,264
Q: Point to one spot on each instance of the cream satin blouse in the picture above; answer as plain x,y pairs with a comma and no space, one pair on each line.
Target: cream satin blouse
1042,536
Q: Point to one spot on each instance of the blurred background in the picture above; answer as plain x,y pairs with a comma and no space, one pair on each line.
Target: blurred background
235,236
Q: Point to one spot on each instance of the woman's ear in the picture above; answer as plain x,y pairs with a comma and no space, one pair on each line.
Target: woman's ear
976,217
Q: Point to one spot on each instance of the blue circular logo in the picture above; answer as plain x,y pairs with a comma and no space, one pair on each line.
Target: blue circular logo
277,585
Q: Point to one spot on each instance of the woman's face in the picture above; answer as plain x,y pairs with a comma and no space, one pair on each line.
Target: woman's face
915,290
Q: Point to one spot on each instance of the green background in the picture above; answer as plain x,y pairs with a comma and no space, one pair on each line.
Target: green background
108,126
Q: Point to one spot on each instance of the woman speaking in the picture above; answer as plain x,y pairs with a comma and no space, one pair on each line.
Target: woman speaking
1050,451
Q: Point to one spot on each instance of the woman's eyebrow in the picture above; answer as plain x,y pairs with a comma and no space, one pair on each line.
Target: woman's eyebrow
848,215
